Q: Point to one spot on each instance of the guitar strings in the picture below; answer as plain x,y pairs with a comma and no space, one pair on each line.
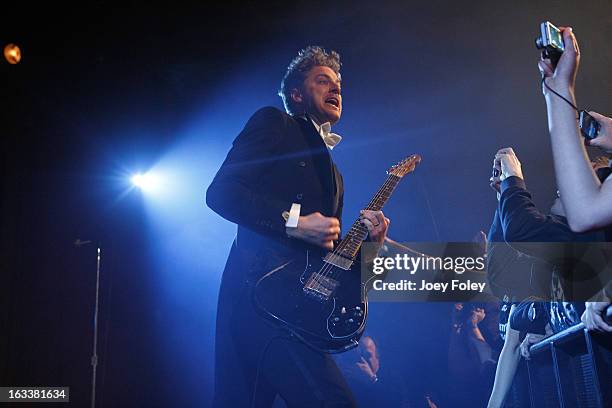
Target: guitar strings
387,188
336,253
325,271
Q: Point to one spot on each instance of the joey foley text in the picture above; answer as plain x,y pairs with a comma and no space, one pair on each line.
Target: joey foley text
411,264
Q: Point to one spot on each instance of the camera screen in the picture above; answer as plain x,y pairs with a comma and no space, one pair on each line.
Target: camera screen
556,39
588,125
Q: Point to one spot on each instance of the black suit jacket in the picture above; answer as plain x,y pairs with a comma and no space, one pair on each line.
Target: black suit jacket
275,161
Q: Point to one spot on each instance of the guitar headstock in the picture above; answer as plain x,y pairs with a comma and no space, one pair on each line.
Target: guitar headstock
405,166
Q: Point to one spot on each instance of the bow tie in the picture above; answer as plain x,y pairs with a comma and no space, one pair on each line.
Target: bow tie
330,139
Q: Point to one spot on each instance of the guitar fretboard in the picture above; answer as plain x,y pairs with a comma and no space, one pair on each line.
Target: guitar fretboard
349,246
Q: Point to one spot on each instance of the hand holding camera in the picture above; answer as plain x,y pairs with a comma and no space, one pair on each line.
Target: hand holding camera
508,163
550,42
558,66
603,137
560,56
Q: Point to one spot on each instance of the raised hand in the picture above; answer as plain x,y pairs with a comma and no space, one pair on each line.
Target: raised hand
508,163
564,75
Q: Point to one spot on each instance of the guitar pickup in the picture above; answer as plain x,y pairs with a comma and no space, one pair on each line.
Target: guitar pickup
320,286
338,261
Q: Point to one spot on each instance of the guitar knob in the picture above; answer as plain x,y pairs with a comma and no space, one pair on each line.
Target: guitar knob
358,308
351,321
343,310
336,319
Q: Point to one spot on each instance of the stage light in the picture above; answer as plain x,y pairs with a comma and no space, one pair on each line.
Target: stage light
146,182
12,53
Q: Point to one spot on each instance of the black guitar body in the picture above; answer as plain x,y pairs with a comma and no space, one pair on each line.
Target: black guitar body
318,302
321,300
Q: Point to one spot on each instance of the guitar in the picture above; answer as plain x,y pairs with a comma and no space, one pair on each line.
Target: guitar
322,301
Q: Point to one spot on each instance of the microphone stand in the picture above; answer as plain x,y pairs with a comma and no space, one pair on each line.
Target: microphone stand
94,355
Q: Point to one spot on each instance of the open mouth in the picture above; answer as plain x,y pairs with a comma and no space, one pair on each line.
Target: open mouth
333,101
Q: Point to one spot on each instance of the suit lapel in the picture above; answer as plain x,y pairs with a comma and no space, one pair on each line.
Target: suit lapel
337,187
323,163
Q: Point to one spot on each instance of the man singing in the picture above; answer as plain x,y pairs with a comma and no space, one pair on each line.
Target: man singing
281,187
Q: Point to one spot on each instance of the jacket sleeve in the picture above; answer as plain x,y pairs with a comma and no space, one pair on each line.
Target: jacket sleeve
496,233
234,192
523,223
520,219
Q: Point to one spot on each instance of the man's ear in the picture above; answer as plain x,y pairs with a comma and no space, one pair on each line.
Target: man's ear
296,95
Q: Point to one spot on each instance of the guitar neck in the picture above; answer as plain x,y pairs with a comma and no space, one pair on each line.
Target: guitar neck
350,245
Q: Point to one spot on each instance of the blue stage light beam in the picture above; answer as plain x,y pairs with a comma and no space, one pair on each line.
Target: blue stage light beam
148,182
141,181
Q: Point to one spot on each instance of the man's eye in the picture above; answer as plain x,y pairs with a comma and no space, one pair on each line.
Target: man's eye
323,81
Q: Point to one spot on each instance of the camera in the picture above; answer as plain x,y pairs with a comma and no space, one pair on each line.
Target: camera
550,42
588,125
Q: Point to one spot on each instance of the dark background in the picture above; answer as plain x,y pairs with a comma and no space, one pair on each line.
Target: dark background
105,90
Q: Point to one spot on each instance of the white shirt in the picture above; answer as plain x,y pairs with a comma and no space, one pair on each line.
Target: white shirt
330,139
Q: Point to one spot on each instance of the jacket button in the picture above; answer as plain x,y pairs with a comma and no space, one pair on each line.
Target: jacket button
299,196
302,164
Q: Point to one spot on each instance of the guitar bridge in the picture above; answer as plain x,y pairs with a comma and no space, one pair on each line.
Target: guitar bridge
320,287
